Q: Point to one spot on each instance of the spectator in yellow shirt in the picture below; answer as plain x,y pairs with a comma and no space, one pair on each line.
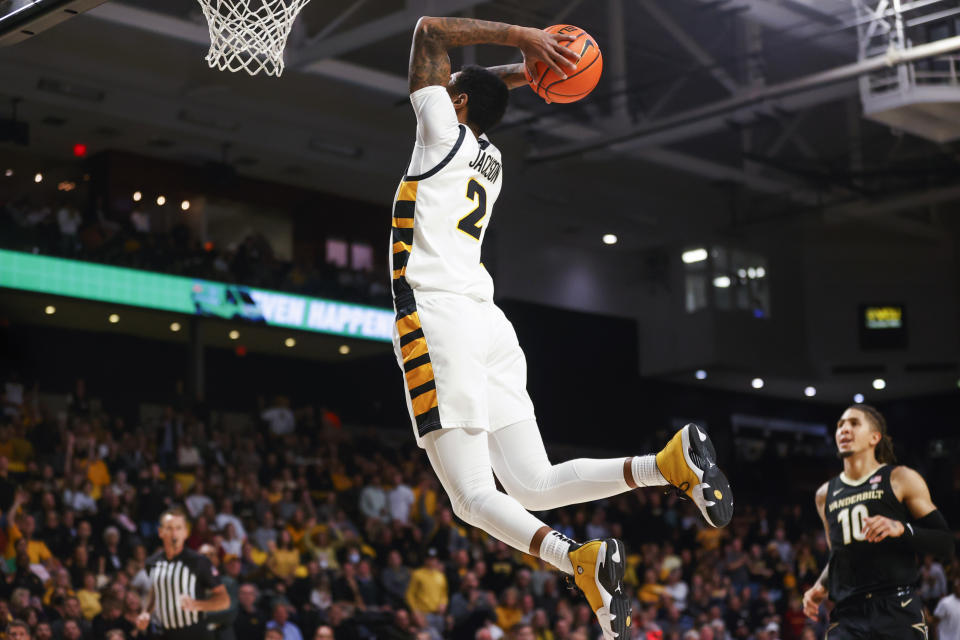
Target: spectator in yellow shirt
322,549
508,611
283,559
710,539
427,592
23,453
339,478
651,590
98,475
86,462
297,528
89,597
24,527
58,585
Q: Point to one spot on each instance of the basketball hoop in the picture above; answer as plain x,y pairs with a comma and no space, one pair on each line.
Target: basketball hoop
249,35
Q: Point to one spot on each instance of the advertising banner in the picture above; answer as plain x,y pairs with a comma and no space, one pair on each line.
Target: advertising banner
150,290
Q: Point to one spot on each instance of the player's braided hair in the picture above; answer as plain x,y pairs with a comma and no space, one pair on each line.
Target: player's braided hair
884,449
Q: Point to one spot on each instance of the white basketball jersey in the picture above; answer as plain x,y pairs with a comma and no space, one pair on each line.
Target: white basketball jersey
444,203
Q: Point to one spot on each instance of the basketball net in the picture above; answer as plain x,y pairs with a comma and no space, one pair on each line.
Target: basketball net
249,35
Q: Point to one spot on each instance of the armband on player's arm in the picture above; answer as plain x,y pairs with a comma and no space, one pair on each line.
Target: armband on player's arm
930,534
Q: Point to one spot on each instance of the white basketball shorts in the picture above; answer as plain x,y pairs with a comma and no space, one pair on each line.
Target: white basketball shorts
462,364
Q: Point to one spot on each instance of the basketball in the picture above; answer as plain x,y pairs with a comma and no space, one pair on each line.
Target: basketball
550,86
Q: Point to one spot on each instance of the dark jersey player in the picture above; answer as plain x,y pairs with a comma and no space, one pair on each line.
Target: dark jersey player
879,518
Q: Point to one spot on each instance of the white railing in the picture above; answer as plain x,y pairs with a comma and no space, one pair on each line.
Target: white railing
881,28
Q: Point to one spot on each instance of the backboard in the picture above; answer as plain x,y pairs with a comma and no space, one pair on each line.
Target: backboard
21,19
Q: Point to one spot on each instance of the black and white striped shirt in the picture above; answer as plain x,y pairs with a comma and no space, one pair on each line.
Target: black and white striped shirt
188,573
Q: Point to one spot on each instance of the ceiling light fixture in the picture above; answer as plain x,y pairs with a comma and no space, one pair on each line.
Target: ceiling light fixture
694,255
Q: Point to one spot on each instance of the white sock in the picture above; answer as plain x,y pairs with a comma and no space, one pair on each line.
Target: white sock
646,473
555,549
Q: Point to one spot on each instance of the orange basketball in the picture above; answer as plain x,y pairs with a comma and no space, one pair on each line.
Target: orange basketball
579,83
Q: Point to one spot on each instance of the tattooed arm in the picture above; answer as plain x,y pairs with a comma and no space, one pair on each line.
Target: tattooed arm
430,64
511,74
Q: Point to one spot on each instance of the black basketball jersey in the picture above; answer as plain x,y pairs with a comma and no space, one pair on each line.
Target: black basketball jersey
858,567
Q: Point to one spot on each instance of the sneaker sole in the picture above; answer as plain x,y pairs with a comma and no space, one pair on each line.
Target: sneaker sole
619,606
701,457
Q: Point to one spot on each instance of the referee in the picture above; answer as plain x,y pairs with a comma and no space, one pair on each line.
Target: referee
178,579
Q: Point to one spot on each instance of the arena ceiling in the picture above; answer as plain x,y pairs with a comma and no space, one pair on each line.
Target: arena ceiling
129,74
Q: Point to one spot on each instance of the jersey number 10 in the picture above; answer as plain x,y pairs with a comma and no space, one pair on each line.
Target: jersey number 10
851,521
470,223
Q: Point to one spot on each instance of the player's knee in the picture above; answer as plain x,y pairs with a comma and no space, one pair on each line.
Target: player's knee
460,510
536,502
470,505
464,504
529,497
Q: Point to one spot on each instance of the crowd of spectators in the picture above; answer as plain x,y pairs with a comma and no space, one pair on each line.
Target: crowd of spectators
137,240
323,530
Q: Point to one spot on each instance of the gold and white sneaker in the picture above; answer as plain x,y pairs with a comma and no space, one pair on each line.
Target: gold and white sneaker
598,568
689,462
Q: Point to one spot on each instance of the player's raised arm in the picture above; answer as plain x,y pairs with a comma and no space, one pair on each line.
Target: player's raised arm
433,37
511,74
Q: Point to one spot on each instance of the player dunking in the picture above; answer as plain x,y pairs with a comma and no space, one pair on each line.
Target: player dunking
464,372
878,518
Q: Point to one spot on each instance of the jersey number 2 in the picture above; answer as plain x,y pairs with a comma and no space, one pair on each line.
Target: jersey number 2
851,521
470,223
